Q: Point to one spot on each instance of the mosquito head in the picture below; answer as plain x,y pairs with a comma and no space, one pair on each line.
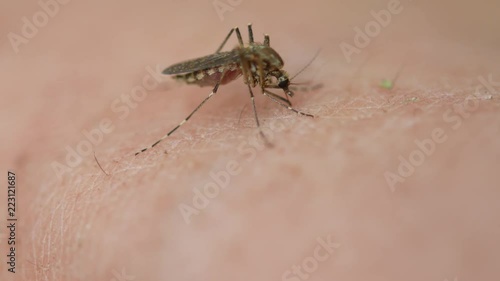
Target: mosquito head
284,82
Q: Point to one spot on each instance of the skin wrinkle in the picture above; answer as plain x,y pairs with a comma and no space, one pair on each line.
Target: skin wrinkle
61,208
39,224
47,238
86,202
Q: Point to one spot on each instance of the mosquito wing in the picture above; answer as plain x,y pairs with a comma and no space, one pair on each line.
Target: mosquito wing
205,62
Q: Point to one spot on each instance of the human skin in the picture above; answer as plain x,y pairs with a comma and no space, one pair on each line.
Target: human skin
323,179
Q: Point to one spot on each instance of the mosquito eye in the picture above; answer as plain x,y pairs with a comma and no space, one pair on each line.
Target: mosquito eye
283,83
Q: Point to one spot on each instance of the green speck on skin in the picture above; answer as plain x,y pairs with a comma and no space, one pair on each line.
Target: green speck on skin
387,84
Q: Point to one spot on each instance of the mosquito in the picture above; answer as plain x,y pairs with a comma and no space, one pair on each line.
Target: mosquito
258,63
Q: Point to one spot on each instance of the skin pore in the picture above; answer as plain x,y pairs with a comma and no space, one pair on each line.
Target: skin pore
384,184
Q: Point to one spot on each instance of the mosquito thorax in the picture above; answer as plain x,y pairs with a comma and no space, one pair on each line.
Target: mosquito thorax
257,51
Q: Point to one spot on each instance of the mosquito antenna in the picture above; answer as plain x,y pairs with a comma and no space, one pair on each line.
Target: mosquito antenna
307,65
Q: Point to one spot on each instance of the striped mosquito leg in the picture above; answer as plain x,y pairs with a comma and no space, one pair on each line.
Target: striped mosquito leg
266,141
214,91
268,94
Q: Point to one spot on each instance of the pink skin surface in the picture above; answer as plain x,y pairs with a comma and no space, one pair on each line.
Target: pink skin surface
403,183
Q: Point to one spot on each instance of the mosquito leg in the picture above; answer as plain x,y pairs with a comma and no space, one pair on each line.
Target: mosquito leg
267,40
285,100
257,118
249,82
250,33
214,91
260,67
240,39
238,34
272,97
